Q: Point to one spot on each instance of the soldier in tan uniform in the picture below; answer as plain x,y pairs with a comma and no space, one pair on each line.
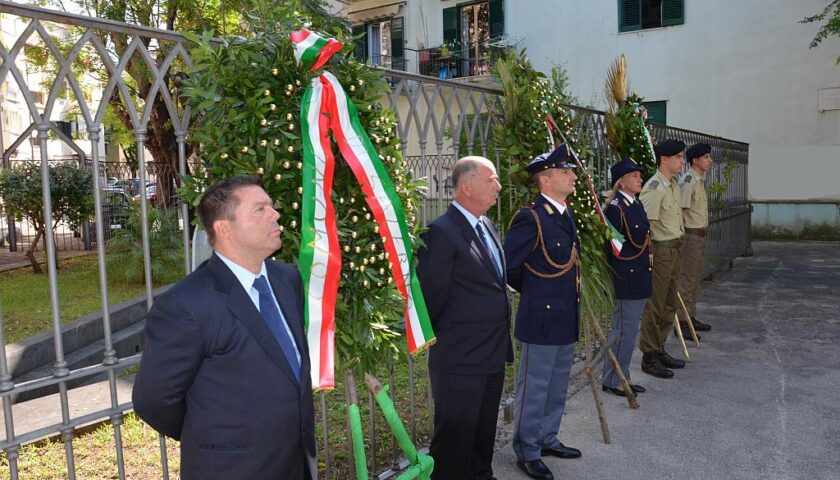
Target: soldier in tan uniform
661,199
695,212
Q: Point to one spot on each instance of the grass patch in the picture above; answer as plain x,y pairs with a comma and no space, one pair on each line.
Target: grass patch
25,297
95,455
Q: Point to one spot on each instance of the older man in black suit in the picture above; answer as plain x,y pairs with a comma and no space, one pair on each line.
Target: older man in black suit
461,271
225,366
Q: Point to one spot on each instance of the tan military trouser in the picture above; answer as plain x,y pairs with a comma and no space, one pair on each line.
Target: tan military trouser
691,269
658,315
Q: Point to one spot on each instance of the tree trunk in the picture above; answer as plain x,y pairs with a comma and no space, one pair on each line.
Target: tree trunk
30,252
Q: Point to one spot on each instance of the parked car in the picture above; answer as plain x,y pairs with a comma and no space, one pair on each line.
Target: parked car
116,207
151,193
116,204
131,186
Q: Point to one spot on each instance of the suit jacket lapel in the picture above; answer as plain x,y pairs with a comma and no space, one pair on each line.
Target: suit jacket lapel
242,307
475,243
497,241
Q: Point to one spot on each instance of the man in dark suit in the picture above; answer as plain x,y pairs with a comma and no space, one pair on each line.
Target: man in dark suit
543,254
461,270
225,366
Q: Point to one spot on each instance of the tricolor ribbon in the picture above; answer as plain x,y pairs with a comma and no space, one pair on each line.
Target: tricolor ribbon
648,139
326,108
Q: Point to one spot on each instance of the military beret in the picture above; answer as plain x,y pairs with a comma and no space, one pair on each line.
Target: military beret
561,157
697,150
668,148
622,168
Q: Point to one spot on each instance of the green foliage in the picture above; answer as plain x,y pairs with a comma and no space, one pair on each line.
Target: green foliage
625,131
831,27
125,248
246,96
717,190
522,134
519,128
71,194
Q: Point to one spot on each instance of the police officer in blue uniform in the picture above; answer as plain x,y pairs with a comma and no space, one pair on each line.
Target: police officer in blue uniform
543,265
631,269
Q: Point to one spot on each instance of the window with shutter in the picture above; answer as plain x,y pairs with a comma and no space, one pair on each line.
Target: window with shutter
629,15
643,14
451,25
497,19
672,12
360,47
657,112
397,43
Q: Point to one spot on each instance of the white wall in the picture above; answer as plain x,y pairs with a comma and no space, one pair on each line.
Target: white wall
740,69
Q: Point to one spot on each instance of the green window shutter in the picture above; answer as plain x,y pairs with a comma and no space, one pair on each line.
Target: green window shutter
673,12
629,15
451,25
397,43
497,19
657,112
360,50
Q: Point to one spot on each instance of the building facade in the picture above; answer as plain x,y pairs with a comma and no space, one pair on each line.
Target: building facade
741,70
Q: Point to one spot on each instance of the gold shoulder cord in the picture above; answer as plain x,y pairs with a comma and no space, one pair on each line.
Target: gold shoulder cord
644,246
574,259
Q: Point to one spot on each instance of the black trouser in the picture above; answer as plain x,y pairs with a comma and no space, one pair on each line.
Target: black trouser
466,410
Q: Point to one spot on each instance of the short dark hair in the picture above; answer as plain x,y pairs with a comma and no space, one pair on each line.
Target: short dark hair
219,202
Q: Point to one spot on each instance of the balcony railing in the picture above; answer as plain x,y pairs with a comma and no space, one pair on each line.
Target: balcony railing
457,60
387,61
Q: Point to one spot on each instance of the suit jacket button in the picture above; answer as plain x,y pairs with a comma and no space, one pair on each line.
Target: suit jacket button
548,307
650,269
637,226
631,270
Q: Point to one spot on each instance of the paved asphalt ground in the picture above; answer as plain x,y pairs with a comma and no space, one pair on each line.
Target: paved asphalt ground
760,399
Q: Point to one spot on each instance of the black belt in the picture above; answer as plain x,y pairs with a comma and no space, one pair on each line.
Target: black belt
696,231
674,243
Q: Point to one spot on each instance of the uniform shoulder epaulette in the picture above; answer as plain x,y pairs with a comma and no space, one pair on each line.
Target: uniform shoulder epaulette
653,184
614,201
548,209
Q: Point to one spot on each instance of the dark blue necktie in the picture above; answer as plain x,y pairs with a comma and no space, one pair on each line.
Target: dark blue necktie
490,249
272,316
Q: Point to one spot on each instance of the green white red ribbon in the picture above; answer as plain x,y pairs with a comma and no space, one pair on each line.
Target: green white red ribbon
326,108
312,50
648,138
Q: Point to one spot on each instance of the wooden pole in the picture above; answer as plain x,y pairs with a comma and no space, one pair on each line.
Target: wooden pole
599,403
680,336
689,321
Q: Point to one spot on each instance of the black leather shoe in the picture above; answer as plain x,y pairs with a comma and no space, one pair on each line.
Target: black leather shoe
535,469
687,333
562,451
652,366
638,388
700,326
614,391
669,361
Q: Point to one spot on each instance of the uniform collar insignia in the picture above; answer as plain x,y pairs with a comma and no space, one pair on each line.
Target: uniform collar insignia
626,203
548,209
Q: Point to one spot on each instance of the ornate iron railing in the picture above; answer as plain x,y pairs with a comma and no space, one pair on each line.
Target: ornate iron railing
439,121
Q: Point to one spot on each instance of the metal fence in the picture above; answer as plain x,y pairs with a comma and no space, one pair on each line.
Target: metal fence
439,121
